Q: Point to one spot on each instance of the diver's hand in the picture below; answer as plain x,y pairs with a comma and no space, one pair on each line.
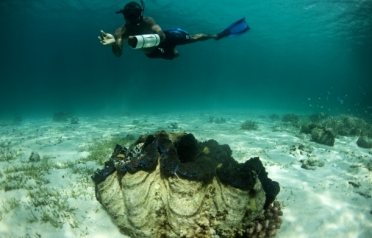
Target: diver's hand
106,38
132,41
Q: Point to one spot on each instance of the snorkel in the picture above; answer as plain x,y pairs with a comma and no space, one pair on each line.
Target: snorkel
133,12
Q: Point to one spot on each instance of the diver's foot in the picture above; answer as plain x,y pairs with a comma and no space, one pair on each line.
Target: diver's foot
176,54
222,34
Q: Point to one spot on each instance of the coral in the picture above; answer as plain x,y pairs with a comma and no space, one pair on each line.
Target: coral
268,224
249,125
307,128
323,136
343,125
364,142
291,118
171,185
318,117
346,125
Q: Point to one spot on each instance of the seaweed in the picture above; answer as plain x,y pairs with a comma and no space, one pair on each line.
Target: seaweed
216,120
249,125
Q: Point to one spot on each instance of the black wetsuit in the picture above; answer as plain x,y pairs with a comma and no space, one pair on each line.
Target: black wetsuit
173,37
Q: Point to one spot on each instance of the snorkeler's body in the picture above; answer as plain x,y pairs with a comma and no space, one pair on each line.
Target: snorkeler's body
144,34
127,32
168,39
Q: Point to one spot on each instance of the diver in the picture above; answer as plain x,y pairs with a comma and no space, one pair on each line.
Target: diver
144,34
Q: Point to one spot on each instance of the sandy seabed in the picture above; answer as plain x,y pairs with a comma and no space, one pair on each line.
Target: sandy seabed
55,197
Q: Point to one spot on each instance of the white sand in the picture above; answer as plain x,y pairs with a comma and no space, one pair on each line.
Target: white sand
317,203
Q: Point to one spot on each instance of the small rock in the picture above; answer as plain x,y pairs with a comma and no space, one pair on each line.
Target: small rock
74,120
311,163
364,142
363,193
34,157
305,148
354,184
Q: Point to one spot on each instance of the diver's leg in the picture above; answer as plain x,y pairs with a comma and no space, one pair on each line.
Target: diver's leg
202,37
177,36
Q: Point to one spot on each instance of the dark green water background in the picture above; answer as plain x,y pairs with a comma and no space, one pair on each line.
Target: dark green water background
300,56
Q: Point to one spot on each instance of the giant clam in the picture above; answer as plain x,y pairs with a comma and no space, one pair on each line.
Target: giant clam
171,185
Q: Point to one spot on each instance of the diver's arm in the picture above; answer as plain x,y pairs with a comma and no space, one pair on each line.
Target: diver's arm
117,46
156,28
158,31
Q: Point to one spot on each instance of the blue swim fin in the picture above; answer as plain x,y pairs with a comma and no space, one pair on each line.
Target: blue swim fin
237,28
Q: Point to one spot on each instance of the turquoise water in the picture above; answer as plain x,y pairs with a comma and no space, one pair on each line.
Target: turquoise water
299,56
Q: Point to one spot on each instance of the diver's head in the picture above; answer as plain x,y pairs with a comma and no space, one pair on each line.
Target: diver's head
133,12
